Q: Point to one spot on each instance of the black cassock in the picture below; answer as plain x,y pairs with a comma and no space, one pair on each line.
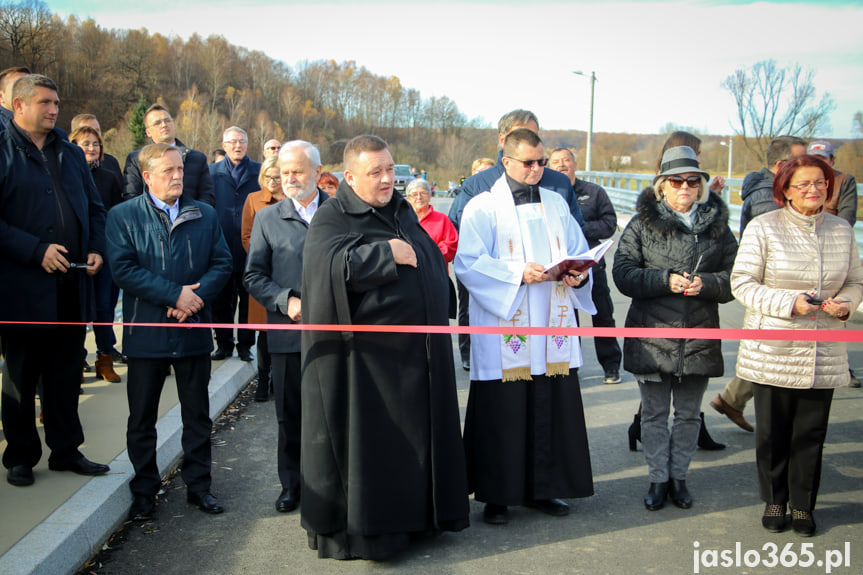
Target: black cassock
382,457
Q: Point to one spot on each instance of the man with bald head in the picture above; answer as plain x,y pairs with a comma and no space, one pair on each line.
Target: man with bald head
271,148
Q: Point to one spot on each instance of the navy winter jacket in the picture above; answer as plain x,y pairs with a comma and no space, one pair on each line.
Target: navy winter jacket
152,260
27,225
230,199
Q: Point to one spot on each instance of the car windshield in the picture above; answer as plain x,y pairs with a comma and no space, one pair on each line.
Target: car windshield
403,170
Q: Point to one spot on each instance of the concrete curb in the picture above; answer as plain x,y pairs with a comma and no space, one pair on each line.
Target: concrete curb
75,532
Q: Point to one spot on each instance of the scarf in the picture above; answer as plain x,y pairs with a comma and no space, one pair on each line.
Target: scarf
515,348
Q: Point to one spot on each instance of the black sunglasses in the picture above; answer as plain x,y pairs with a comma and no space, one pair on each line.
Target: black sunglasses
529,163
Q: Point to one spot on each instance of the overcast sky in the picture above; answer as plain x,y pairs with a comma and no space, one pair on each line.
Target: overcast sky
656,62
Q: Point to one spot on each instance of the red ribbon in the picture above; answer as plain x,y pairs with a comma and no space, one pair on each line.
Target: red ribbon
815,335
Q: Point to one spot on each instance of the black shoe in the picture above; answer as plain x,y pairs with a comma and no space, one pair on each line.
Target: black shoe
803,523
245,354
679,494
705,441
465,364
87,367
854,381
773,518
118,356
495,514
81,466
20,475
635,432
655,498
205,501
288,500
554,507
143,508
222,353
611,376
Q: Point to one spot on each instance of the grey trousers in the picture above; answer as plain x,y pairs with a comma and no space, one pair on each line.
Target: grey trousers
668,453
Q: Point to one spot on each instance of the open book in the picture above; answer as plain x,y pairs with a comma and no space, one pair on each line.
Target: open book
579,263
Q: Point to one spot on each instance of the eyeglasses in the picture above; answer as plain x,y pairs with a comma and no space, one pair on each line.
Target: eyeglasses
235,143
529,163
273,148
421,194
820,185
163,121
90,145
273,178
677,182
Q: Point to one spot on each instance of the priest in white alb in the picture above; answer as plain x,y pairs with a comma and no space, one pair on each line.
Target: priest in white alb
525,436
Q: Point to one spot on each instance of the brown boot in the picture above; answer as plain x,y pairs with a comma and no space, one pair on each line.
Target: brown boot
734,415
105,368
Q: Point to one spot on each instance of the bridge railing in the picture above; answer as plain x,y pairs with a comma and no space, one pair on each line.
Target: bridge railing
623,190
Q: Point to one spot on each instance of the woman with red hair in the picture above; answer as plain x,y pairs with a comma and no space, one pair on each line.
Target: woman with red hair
797,268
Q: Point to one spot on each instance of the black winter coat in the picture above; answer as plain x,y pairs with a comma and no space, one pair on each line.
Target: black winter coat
197,183
654,245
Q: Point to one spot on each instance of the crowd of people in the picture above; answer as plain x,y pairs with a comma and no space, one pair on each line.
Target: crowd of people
370,447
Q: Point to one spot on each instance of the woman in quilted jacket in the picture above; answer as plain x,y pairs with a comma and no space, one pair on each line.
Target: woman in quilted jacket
797,268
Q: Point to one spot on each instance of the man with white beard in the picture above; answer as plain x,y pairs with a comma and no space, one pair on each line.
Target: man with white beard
273,277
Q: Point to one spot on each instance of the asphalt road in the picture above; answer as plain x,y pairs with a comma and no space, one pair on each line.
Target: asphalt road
610,532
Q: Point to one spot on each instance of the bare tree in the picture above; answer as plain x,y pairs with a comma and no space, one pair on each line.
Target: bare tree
772,101
28,31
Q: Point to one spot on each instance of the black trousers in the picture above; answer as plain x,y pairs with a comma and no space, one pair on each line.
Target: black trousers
607,349
51,356
463,319
146,377
286,386
789,442
225,306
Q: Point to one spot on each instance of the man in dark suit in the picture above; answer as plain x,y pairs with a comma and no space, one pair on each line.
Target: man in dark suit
233,180
197,184
52,237
274,274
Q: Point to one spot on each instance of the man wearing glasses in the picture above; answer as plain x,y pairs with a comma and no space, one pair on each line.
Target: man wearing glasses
159,127
271,148
234,179
525,435
483,181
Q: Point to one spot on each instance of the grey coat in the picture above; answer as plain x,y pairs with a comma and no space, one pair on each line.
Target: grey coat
274,267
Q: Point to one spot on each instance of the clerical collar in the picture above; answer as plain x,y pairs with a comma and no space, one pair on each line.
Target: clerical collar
523,193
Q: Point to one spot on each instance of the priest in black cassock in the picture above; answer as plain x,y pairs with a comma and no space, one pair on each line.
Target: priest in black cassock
381,458
525,434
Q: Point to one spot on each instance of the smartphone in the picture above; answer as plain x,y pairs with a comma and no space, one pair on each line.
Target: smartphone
815,301
74,265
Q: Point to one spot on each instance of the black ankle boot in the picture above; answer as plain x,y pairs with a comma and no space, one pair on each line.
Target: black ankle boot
704,439
635,431
655,498
679,494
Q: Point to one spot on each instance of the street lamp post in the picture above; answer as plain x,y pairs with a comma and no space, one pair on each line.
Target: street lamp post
730,145
590,126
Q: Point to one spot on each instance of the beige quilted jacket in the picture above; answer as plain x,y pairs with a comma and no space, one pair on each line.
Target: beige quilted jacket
782,254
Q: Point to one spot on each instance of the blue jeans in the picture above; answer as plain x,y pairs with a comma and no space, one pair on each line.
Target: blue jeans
668,453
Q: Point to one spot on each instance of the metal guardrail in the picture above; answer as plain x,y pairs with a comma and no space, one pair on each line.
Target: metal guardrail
623,190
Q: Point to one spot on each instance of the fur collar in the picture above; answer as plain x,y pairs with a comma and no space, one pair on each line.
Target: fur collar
710,218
